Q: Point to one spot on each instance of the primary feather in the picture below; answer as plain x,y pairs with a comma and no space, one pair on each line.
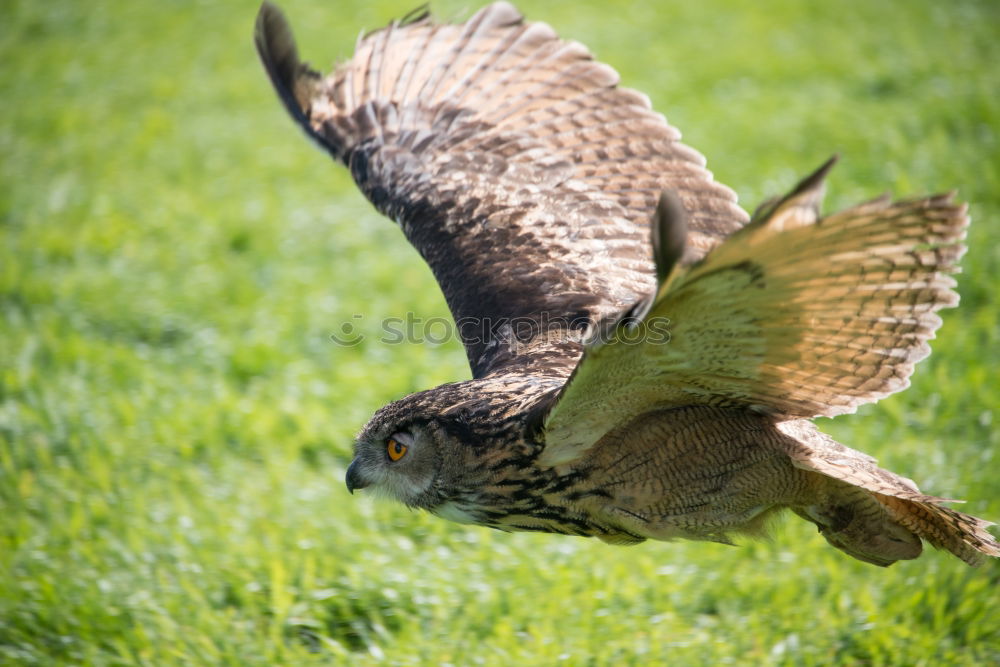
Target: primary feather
794,315
492,135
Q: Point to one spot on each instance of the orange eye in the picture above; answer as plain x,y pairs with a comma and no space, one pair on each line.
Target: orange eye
395,449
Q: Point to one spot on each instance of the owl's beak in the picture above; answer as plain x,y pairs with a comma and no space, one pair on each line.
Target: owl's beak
354,478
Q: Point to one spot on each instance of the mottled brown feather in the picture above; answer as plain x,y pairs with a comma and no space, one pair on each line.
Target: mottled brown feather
513,163
793,316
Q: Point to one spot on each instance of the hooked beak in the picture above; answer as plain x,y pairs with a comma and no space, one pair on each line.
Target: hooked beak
354,479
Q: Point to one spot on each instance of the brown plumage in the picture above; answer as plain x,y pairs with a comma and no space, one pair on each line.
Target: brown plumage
629,382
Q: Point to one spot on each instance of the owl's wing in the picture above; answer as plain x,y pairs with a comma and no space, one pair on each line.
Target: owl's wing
794,315
513,163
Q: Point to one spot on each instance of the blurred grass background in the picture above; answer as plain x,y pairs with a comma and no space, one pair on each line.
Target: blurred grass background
175,419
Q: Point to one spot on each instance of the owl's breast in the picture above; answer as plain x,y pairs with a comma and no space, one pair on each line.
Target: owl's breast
695,473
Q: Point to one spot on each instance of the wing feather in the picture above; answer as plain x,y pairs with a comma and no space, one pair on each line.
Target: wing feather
513,163
794,316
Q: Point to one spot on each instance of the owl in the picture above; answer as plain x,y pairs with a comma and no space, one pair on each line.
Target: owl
646,357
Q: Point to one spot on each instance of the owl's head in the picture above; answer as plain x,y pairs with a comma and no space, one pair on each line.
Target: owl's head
417,450
432,447
410,459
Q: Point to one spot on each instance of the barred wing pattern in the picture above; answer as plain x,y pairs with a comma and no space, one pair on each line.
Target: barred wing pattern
794,316
513,163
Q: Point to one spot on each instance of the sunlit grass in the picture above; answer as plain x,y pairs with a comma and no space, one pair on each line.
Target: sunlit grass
175,419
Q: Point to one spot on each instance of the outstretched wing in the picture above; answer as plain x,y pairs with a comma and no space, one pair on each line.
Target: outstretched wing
793,315
513,163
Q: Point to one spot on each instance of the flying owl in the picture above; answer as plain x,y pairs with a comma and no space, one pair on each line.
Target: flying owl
645,356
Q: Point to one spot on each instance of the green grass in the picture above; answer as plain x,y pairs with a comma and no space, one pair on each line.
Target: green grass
175,421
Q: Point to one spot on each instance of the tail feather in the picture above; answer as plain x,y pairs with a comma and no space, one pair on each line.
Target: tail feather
961,534
881,529
870,512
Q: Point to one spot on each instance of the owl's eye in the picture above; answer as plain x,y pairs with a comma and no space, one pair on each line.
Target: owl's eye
395,449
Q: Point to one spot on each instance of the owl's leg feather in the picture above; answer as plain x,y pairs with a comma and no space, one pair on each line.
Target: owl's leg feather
852,520
872,513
